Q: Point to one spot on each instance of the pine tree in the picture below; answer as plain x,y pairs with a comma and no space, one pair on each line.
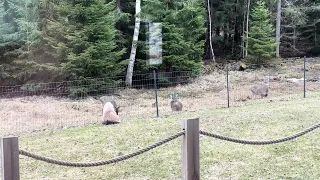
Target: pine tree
312,29
20,22
19,33
182,28
28,23
8,26
53,25
261,39
91,40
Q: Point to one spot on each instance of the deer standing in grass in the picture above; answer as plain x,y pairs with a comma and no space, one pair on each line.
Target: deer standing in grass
175,103
109,115
110,110
105,99
261,90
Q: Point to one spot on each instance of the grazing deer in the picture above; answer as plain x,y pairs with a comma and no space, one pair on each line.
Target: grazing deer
105,99
261,90
109,115
175,103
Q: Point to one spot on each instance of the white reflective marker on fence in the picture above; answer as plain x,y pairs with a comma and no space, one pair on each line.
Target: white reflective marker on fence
155,43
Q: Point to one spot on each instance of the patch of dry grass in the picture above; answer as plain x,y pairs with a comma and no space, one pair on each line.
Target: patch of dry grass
29,114
284,112
297,159
40,113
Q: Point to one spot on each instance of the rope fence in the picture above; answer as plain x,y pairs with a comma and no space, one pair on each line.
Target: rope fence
190,150
103,162
264,142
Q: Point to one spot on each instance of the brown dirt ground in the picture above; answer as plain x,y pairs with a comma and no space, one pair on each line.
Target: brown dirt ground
37,113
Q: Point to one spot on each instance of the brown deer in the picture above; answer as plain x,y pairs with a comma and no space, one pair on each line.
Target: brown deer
109,116
175,103
262,89
105,99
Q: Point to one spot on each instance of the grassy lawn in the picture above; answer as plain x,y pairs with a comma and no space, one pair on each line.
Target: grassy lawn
296,159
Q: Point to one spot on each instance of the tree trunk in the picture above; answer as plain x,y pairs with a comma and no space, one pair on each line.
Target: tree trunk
278,28
294,37
134,45
315,33
243,31
118,6
235,35
247,28
210,31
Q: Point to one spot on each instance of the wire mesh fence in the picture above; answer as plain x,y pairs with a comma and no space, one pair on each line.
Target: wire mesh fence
41,106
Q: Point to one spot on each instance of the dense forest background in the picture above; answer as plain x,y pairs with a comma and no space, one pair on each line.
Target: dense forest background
54,40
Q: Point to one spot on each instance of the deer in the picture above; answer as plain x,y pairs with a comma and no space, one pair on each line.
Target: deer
262,89
175,103
105,99
109,115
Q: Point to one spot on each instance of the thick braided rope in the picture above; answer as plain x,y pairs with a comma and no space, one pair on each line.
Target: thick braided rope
103,162
257,142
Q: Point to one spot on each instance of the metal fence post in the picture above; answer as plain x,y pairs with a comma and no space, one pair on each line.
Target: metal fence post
190,149
228,91
155,90
304,76
10,158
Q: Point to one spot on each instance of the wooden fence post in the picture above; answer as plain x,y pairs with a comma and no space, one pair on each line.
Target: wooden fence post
190,149
10,158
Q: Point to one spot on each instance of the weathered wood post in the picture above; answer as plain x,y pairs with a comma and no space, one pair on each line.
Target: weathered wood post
155,90
228,89
10,158
304,77
190,149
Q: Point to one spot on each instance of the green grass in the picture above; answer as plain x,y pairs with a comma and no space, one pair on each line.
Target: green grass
297,159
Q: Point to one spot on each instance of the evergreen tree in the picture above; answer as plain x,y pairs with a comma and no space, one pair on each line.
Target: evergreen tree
20,22
53,25
261,39
182,28
311,31
19,33
8,26
91,40
28,23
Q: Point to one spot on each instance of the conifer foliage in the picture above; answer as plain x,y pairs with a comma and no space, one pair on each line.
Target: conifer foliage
57,40
182,27
92,44
261,39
